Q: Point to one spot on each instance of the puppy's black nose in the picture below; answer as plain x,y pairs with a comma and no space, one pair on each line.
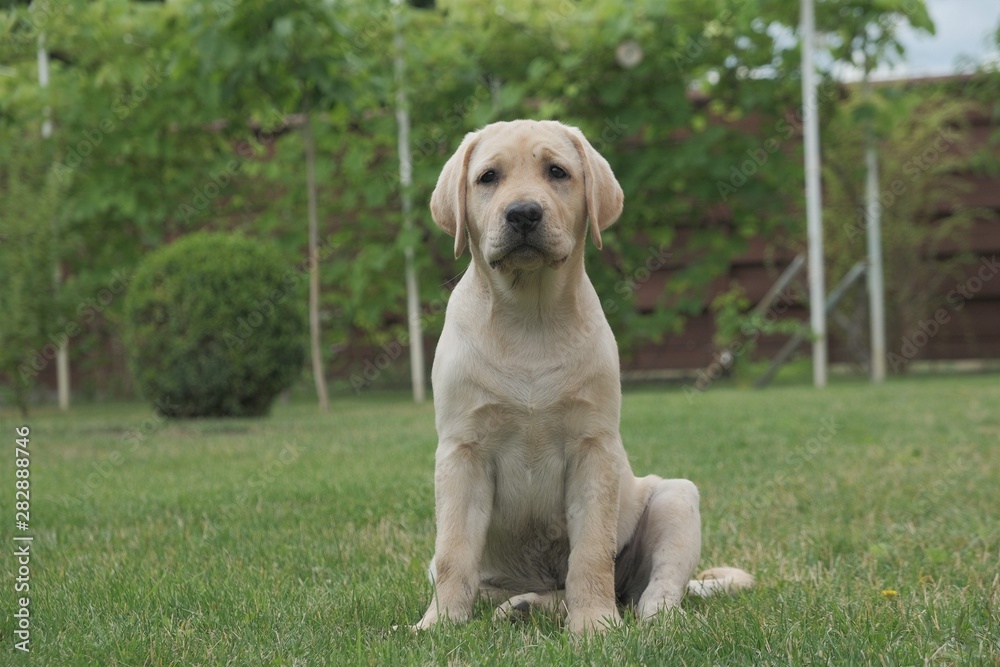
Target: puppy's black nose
524,216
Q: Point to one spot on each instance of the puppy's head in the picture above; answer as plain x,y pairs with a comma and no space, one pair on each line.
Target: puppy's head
521,193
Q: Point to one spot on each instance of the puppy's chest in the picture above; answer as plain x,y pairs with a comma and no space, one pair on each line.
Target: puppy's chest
532,397
530,442
533,374
534,410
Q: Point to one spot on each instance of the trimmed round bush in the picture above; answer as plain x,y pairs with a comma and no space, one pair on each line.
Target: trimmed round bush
213,327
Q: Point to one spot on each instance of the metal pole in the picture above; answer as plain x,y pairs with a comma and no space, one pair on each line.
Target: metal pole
726,356
405,181
836,295
873,228
814,211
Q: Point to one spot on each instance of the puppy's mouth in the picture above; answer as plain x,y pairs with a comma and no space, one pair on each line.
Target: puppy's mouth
525,255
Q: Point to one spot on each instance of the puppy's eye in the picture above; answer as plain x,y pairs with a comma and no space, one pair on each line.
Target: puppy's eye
557,172
487,177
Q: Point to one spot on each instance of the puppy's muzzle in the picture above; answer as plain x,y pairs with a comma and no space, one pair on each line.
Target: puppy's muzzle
523,216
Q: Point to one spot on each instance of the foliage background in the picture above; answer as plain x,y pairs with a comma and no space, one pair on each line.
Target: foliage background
182,116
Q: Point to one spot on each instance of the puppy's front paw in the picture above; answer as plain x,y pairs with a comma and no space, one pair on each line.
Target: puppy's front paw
429,620
435,616
594,621
652,605
657,609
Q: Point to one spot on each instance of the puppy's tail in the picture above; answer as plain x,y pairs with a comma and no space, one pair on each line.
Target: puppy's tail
719,580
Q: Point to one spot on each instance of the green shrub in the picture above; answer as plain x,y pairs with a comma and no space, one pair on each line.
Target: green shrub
213,327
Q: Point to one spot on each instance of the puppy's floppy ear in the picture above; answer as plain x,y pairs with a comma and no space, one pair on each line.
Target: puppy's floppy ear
604,195
448,198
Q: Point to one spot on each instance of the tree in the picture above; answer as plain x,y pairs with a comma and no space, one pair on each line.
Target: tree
263,55
28,246
123,149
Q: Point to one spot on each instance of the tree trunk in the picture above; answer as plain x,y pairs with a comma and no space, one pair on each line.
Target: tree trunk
62,352
314,325
405,193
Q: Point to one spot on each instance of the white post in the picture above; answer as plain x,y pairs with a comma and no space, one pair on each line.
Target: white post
405,181
873,228
814,210
62,351
43,82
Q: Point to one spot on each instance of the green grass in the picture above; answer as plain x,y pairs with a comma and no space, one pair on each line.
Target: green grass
303,539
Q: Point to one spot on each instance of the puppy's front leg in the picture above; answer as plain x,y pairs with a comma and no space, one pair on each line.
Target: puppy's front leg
463,502
593,481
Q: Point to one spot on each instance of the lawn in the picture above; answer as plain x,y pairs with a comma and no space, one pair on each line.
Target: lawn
870,515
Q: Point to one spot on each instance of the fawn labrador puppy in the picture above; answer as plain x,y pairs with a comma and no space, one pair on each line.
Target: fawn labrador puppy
536,503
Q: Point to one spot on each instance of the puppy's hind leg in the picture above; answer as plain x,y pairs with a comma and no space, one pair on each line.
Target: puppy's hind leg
719,580
515,606
672,544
